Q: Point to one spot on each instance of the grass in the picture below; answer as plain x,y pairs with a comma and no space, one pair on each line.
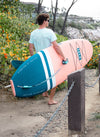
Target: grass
95,116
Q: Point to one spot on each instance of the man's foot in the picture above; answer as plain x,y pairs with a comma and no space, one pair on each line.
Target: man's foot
52,102
45,94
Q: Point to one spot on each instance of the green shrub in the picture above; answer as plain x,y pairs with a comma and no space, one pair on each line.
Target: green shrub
75,25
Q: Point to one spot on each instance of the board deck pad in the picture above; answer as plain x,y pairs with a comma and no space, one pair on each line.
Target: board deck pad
44,70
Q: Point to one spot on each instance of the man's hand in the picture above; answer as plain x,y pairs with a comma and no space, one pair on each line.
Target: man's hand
65,61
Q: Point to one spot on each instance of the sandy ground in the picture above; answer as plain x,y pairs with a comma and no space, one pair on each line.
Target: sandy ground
24,117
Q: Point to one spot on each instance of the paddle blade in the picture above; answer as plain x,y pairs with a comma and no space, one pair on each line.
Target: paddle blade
16,63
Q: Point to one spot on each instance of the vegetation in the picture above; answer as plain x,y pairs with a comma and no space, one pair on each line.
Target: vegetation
80,25
95,116
93,63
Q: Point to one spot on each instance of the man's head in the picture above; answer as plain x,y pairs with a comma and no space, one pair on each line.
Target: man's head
42,17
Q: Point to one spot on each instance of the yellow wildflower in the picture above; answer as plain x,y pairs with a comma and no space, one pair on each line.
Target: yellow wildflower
11,53
18,58
26,57
10,66
14,17
8,12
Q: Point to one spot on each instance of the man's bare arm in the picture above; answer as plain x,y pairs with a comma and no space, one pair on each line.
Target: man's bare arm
58,50
31,49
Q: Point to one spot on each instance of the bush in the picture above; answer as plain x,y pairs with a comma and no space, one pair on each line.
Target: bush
75,25
14,36
93,63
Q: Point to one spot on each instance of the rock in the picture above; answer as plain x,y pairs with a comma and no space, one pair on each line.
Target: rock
74,33
90,34
76,135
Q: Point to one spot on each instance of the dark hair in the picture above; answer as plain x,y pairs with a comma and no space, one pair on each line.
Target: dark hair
41,18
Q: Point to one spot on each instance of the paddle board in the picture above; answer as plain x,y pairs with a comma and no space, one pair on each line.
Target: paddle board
44,70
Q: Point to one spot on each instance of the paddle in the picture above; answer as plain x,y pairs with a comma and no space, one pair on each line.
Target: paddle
16,63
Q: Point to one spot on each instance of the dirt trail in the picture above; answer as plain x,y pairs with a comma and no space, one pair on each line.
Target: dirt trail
24,117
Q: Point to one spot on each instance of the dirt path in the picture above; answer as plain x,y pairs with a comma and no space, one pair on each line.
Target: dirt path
24,117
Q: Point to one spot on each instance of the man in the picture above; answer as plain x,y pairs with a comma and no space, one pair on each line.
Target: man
42,38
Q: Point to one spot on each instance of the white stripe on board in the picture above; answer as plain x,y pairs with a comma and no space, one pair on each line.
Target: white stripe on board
45,70
51,67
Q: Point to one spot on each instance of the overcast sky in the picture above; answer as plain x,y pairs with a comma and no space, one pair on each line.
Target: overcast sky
88,8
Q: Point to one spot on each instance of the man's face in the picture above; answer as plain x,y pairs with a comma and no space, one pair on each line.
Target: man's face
47,22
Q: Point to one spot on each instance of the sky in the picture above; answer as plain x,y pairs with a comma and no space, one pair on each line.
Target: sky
87,8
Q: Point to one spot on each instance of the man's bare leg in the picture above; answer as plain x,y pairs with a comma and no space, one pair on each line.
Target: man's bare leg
45,94
52,93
